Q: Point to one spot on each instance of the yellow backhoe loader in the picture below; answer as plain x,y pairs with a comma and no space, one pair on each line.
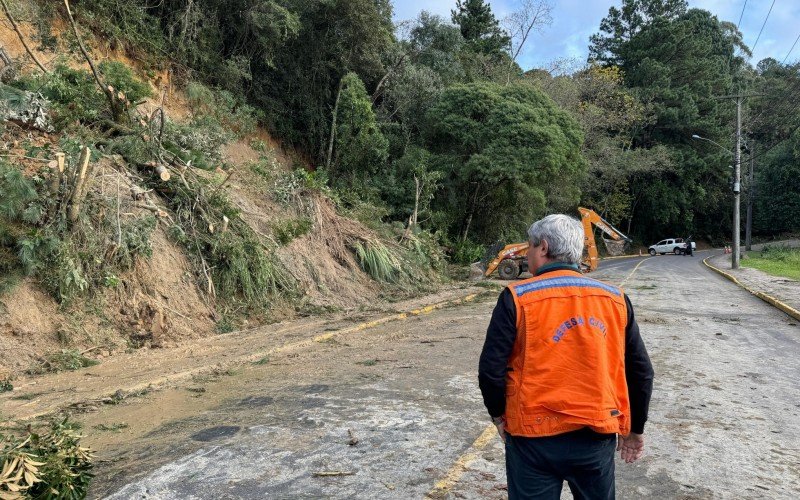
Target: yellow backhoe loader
511,261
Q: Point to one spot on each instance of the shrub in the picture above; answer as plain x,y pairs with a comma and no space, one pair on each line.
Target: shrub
467,252
198,142
75,96
121,78
17,196
289,188
287,230
69,260
222,107
73,93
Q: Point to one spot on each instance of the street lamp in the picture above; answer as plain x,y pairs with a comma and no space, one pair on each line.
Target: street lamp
736,199
695,136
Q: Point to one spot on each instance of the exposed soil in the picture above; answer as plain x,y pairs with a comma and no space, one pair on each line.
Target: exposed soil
158,302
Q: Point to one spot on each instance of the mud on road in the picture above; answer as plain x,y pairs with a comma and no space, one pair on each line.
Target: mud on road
394,410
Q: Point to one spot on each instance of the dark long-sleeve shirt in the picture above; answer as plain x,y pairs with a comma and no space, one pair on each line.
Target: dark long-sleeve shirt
500,338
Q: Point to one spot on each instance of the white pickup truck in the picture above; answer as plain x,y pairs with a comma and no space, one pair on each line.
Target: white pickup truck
673,245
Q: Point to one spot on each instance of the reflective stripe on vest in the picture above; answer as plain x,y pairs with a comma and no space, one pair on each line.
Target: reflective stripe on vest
567,368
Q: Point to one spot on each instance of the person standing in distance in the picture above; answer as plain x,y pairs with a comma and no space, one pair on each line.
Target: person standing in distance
564,372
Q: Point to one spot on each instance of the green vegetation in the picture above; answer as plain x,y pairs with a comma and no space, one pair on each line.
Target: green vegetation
48,463
65,360
37,238
75,96
287,230
6,386
384,117
378,261
777,261
433,137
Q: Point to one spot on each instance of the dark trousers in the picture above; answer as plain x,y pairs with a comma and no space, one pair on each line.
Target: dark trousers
537,467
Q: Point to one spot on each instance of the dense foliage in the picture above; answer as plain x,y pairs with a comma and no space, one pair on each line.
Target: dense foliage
432,120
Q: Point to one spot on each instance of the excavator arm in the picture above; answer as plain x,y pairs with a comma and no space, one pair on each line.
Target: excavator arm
517,251
589,217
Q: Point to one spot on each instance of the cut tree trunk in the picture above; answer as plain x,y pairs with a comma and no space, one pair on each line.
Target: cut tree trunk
81,183
56,174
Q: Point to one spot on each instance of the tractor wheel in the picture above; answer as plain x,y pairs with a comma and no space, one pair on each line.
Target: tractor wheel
508,269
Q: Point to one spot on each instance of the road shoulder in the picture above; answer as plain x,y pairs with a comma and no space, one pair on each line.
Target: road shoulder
783,293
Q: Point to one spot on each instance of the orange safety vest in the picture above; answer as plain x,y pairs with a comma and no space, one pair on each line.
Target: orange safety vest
567,367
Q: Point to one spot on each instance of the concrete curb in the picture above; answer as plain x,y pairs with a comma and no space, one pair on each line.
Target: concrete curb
791,311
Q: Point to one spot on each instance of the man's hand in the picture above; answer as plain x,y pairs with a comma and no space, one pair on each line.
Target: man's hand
631,447
500,423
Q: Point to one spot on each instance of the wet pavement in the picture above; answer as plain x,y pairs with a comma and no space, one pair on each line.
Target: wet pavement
391,411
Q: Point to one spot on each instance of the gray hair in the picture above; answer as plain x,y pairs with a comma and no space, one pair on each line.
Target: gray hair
564,236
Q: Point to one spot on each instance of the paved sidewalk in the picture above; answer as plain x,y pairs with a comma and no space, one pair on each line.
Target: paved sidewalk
784,289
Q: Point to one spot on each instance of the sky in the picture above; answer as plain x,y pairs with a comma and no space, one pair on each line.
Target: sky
574,21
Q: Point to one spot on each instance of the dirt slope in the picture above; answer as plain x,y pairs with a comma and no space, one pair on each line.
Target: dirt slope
158,303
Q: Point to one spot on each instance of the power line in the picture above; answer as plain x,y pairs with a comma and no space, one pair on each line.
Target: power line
741,15
762,153
790,50
762,26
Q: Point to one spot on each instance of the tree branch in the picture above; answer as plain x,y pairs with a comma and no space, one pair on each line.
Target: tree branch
116,105
22,38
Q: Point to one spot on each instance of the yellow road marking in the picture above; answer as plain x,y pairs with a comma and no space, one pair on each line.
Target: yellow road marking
395,317
443,486
634,271
174,377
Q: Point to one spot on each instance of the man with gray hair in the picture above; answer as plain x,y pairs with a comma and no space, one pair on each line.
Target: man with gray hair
564,371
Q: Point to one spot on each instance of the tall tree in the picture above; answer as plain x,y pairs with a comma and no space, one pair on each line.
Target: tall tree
361,149
298,89
501,149
774,128
678,61
621,25
479,26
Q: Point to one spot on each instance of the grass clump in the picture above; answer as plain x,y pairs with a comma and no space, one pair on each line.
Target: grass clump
6,386
66,360
378,261
45,464
776,260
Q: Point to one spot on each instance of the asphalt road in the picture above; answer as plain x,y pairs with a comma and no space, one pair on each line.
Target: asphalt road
394,411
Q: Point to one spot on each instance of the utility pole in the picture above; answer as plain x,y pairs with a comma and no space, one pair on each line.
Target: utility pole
748,226
737,176
737,179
